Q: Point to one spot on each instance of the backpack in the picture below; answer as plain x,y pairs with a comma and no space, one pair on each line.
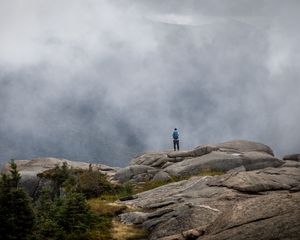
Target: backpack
175,135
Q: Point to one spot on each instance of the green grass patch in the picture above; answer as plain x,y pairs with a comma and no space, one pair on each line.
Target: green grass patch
106,208
127,232
210,172
119,191
146,186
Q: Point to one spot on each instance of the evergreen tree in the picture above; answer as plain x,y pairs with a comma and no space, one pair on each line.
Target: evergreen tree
67,217
75,214
47,226
16,212
15,175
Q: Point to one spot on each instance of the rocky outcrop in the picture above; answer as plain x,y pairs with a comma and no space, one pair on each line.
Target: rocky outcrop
29,170
268,179
258,197
272,216
292,157
291,163
138,173
261,204
223,161
222,157
292,160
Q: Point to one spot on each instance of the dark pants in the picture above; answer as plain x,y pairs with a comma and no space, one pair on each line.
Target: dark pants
176,144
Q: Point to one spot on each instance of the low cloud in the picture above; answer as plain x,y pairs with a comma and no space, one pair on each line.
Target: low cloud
102,81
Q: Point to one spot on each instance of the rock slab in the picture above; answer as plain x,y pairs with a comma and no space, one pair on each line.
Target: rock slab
259,204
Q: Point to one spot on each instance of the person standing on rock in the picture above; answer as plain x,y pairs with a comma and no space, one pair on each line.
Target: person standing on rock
175,139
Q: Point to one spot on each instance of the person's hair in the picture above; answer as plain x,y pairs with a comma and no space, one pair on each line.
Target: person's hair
175,129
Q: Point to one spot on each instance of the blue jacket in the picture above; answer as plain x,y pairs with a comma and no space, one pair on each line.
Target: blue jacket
175,135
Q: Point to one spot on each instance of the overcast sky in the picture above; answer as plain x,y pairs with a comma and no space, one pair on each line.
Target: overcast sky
104,80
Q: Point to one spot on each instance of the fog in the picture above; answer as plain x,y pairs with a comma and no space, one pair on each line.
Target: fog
103,81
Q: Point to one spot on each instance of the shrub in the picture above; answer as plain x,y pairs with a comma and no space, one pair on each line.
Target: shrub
93,184
90,183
